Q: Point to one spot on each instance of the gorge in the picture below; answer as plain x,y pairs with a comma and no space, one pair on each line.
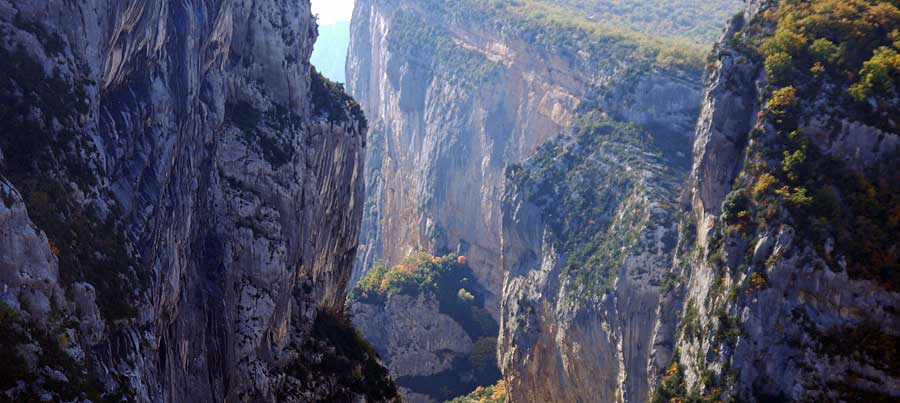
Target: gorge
507,201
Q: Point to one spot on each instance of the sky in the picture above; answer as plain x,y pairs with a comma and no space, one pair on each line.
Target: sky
332,11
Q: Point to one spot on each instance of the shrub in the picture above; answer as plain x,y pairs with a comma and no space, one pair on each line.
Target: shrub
735,203
757,280
763,185
785,41
793,164
782,105
465,296
484,353
778,67
490,394
878,75
824,51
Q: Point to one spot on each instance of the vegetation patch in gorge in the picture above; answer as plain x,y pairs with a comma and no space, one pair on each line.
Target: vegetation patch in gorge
449,281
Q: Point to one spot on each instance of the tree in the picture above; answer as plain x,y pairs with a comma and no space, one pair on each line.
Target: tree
765,182
824,51
793,164
465,296
783,102
779,67
877,74
785,40
735,202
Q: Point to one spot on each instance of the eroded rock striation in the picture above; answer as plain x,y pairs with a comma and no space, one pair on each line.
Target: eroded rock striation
181,202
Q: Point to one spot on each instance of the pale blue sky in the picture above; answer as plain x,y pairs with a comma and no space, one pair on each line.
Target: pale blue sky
331,11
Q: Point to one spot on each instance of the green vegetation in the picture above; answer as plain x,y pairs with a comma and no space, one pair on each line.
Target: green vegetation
446,279
651,30
426,47
584,185
490,394
696,21
49,166
850,45
582,32
14,367
331,100
813,50
14,335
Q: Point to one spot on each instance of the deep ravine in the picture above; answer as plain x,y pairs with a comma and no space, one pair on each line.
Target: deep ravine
457,92
641,228
533,201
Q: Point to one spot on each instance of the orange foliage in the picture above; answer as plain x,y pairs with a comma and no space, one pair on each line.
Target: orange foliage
54,248
461,260
757,280
499,390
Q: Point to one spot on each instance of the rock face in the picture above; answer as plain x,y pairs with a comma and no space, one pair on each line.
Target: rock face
776,307
414,337
774,281
181,205
589,238
426,317
456,92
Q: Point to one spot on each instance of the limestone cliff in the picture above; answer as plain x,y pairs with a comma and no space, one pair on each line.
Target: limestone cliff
589,237
790,291
457,90
181,198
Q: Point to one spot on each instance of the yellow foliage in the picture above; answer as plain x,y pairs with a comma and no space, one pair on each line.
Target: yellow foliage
672,371
817,69
499,390
783,101
765,182
757,280
878,73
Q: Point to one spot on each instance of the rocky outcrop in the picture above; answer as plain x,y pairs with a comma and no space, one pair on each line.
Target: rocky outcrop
414,337
427,319
775,307
589,239
182,196
455,94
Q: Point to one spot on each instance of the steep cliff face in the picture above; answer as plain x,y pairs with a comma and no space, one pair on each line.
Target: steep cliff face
457,90
790,291
181,205
589,236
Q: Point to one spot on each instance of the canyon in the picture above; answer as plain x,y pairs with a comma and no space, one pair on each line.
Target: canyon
511,201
